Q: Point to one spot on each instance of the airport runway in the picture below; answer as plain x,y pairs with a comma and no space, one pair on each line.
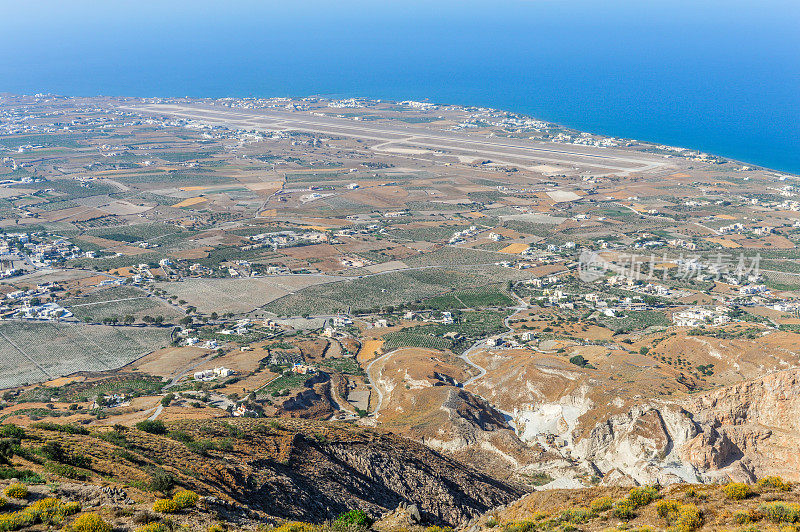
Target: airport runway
508,151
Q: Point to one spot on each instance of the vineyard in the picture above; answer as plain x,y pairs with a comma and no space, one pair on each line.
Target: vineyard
118,301
239,295
480,297
635,321
39,351
379,291
416,337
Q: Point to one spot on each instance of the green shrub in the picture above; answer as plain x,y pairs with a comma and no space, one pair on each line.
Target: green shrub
577,515
67,471
737,491
781,512
624,509
744,517
774,482
167,399
601,504
355,517
16,491
24,475
152,426
161,481
10,430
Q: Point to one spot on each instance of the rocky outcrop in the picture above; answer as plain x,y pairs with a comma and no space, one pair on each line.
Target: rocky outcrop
749,429
739,432
302,470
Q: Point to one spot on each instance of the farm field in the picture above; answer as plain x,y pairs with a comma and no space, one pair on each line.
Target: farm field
119,302
37,351
240,295
392,288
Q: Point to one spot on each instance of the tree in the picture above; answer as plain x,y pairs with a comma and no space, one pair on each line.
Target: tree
129,319
161,481
578,360
53,450
153,426
167,399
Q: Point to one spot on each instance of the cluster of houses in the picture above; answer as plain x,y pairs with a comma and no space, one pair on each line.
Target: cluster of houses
45,311
462,236
212,374
111,401
696,316
26,304
241,328
30,250
285,239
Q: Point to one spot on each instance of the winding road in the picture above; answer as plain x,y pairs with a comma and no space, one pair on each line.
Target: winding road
478,345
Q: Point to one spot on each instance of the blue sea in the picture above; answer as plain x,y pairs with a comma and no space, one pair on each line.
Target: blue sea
721,76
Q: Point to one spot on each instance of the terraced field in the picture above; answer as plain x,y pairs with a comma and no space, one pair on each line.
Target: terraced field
39,351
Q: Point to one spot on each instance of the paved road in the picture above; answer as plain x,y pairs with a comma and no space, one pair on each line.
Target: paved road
481,344
158,410
374,382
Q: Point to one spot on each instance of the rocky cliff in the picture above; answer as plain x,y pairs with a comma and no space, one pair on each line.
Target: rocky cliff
739,432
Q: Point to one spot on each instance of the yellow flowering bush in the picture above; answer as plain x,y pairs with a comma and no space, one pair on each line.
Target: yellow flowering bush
185,498
642,496
16,491
736,491
166,506
667,508
90,522
689,518
624,509
294,526
153,527
774,482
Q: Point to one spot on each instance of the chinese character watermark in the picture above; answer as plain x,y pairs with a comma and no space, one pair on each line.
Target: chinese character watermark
721,267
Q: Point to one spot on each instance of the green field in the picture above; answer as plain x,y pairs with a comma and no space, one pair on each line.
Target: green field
470,325
391,289
481,297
